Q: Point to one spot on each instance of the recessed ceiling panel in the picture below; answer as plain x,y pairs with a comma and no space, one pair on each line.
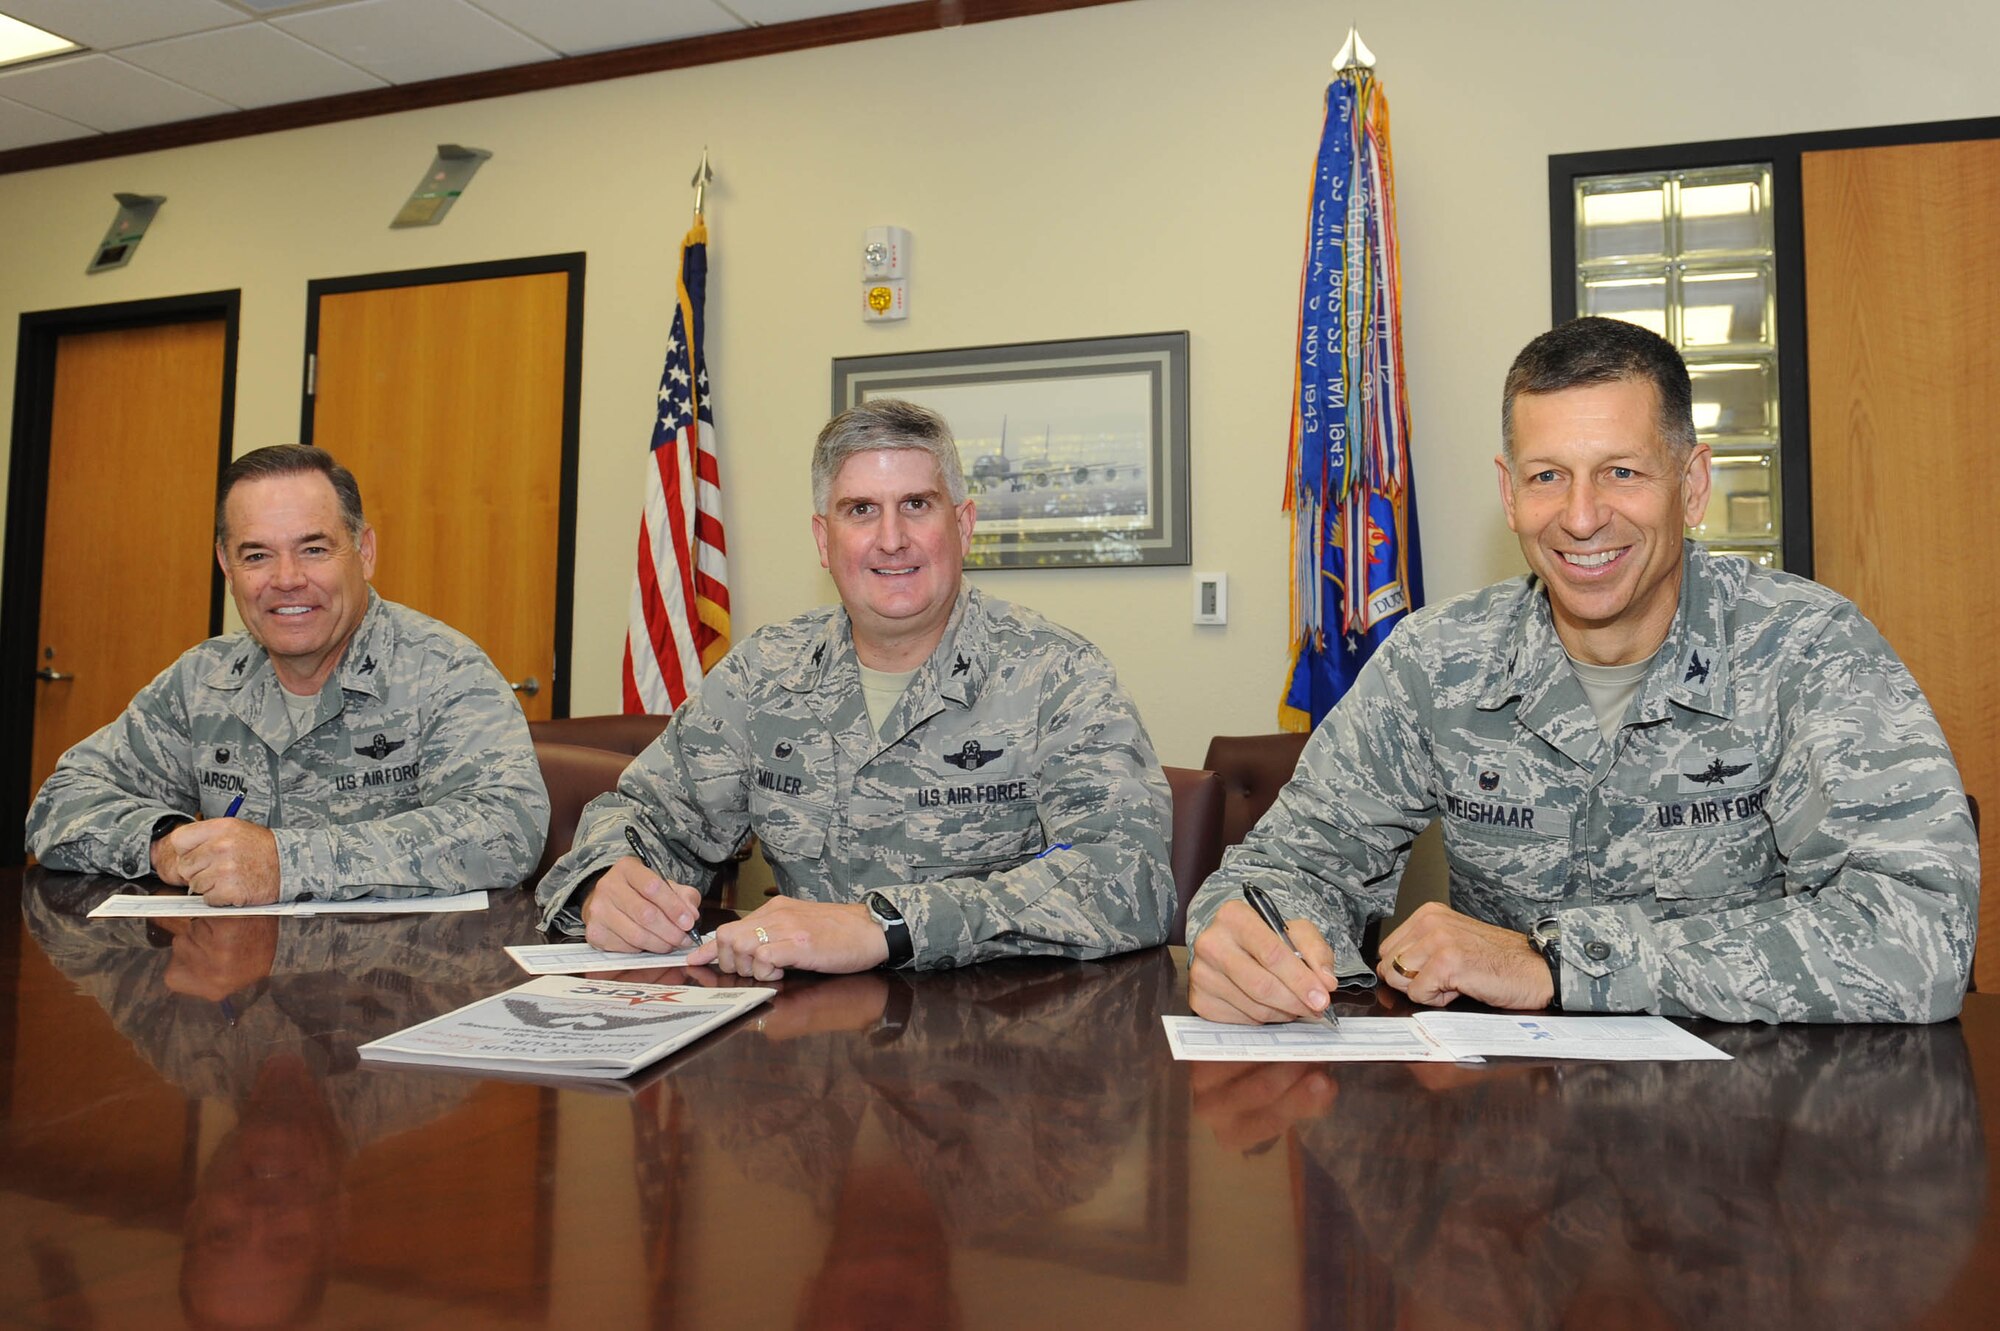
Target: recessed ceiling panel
575,29
253,65
104,93
405,41
104,24
23,126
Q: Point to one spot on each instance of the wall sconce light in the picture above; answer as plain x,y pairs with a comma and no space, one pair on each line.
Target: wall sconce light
450,172
135,214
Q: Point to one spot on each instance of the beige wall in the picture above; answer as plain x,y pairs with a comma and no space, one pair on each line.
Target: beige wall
1134,168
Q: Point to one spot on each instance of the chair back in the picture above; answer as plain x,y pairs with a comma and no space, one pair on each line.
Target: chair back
620,734
1197,840
575,775
1253,768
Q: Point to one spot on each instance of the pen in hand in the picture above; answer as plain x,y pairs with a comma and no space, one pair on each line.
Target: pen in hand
1260,902
639,852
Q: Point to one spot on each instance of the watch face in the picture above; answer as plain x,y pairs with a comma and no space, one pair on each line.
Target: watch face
1545,934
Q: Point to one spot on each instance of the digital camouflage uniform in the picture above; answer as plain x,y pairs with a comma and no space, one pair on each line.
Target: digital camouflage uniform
1776,832
1012,805
417,777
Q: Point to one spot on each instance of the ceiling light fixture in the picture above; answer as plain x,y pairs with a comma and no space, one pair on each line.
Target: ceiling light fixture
22,41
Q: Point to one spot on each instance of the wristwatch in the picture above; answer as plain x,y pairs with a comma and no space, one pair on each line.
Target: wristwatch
1546,938
894,929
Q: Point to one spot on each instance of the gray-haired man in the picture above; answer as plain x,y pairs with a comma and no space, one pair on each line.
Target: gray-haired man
936,777
1669,781
340,745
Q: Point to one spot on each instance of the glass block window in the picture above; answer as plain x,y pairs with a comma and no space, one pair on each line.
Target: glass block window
1688,254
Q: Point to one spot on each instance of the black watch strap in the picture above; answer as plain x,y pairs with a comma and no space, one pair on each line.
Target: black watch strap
1546,937
894,929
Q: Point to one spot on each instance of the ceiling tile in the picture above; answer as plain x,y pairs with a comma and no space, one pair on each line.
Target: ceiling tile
105,24
575,29
404,41
21,126
253,65
104,93
767,12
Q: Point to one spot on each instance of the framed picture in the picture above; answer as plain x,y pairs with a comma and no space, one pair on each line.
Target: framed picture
1075,453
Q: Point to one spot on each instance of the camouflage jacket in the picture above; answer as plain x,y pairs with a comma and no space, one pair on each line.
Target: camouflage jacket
1011,806
1776,833
417,777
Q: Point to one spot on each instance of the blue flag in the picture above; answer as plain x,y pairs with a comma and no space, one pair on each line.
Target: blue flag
1356,569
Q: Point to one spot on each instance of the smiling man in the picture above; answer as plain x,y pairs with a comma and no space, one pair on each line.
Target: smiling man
1669,781
937,777
341,745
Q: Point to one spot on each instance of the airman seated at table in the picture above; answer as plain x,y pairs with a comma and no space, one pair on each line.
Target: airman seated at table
340,745
937,777
1670,781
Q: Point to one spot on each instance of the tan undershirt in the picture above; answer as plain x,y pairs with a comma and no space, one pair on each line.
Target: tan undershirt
1611,689
303,708
880,691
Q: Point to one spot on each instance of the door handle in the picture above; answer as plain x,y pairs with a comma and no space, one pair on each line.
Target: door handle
528,687
54,676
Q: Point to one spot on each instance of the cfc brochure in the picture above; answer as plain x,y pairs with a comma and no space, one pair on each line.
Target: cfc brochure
565,1026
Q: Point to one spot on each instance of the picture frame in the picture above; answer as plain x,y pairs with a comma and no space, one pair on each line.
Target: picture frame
1075,452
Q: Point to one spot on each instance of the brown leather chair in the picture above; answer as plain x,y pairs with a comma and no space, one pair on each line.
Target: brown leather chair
619,734
1197,842
575,775
1253,768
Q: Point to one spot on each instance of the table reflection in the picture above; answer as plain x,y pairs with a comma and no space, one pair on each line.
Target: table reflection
1829,1176
894,1106
188,1130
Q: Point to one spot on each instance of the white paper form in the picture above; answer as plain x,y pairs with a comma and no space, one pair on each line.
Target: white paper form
1605,1039
1439,1037
1359,1040
582,958
125,906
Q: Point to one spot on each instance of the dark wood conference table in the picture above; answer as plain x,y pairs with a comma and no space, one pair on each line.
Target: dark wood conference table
189,1136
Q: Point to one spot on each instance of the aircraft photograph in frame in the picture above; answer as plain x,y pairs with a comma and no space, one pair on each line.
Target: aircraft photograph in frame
1075,452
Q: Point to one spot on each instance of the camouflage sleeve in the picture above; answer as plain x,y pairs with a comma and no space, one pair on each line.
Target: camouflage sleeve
1881,869
1333,846
484,814
1105,884
686,797
97,810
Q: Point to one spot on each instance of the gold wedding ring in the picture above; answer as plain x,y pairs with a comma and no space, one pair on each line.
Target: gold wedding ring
762,937
1396,964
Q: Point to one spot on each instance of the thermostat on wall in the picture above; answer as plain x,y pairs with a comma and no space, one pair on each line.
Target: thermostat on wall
1211,598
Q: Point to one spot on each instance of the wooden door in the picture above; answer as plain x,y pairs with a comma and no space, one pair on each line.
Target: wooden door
1903,303
128,562
448,402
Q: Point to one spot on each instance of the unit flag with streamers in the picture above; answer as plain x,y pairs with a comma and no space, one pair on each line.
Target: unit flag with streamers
1356,569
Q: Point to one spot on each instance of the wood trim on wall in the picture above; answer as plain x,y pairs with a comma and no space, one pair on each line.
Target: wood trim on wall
709,49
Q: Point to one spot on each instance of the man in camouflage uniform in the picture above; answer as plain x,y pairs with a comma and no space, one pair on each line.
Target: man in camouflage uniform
373,750
936,777
1669,781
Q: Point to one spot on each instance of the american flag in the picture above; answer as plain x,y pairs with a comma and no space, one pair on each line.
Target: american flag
678,626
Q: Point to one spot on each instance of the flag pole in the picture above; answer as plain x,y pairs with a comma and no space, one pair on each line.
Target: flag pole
1354,53
702,175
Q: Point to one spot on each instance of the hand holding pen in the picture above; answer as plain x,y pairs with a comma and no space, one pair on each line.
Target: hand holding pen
633,909
1260,901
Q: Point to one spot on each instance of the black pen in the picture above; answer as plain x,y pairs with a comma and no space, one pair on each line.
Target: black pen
639,850
1266,911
